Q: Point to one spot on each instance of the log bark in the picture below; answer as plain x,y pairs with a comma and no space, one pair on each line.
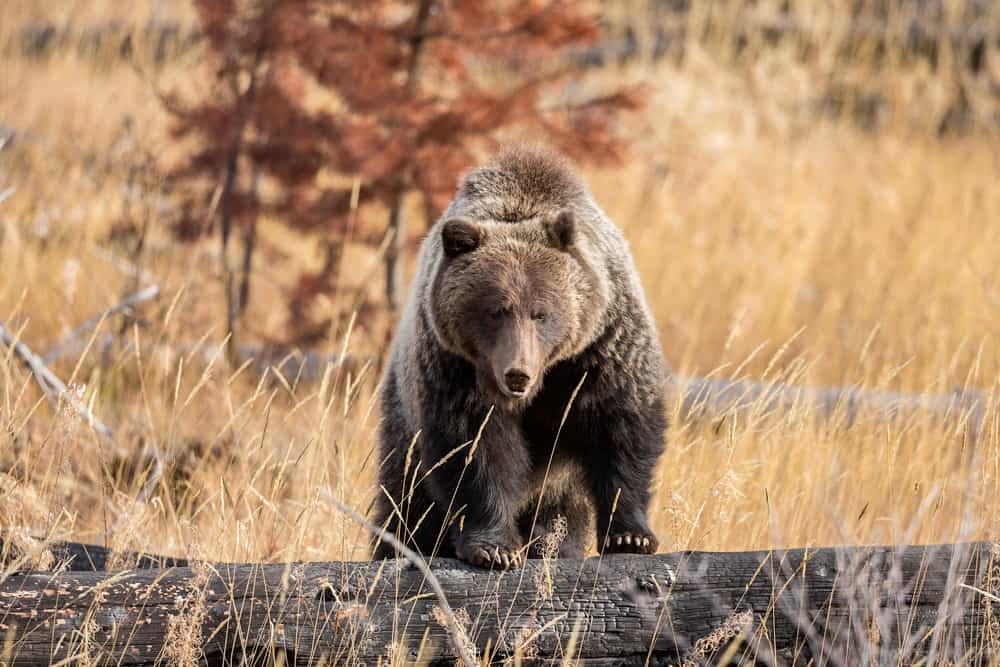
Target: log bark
840,606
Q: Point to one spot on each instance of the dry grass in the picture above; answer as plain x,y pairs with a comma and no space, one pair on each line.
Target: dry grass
772,243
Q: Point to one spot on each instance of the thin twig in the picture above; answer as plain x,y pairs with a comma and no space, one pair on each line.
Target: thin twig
57,350
48,381
456,632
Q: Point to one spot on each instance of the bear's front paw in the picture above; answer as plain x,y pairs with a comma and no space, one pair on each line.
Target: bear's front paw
631,542
491,553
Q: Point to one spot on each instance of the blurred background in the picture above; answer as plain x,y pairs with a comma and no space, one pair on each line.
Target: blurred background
809,190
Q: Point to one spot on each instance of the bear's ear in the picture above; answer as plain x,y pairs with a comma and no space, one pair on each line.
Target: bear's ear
459,236
562,229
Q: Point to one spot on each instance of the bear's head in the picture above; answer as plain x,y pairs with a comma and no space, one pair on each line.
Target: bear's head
513,299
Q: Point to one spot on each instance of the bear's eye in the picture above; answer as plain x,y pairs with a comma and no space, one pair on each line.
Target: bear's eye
539,315
498,313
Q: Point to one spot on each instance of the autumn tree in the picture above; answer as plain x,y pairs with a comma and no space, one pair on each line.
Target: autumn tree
249,123
412,94
426,85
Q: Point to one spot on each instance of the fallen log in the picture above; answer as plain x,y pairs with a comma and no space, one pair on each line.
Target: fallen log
700,398
868,605
78,557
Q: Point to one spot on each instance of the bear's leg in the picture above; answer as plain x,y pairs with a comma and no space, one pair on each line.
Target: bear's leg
481,492
404,507
620,469
563,525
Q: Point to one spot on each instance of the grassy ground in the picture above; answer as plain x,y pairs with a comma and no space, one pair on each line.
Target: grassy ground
773,242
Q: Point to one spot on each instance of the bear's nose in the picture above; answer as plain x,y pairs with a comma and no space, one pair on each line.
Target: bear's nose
517,380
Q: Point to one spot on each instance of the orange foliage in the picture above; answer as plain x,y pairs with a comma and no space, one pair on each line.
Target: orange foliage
422,89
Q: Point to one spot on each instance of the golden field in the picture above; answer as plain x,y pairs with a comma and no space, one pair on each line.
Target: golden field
774,243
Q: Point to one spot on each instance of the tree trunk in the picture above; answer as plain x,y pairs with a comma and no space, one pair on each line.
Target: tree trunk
249,245
225,231
397,216
839,606
246,268
232,289
393,254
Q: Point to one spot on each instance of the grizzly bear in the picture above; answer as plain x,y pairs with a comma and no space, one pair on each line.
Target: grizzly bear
525,382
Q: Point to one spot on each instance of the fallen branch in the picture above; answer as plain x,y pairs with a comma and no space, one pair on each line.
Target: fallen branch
293,364
125,307
715,397
836,606
50,384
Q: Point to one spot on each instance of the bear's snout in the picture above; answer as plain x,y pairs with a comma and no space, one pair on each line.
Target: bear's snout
516,380
514,359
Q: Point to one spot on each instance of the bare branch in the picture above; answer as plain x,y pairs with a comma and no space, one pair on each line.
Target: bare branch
57,350
48,381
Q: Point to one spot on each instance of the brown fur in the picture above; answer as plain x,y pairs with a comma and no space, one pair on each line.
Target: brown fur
517,303
521,182
525,292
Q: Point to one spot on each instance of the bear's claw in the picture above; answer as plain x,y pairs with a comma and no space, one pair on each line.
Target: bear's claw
502,558
631,543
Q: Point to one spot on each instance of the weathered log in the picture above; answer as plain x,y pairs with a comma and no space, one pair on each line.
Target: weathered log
78,557
870,605
717,397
